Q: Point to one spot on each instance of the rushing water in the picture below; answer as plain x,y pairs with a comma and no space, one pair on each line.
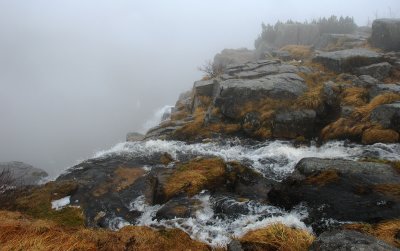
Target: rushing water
274,159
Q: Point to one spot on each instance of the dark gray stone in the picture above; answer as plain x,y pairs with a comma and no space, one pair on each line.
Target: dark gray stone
378,71
366,81
349,240
236,92
386,34
344,41
235,245
292,124
23,174
348,60
342,190
383,88
387,115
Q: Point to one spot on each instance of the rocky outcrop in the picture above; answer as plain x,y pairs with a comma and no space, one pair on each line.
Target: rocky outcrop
234,93
379,89
22,174
349,240
388,116
329,42
343,190
386,34
293,124
348,60
378,71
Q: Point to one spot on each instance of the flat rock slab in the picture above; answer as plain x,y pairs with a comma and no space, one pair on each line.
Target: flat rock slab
348,60
234,93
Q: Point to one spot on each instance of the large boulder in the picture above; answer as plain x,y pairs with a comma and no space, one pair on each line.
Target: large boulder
349,240
387,115
386,34
21,174
234,93
348,60
378,71
342,190
292,124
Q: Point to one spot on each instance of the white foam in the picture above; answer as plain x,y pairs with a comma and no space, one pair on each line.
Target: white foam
61,203
273,158
208,227
156,118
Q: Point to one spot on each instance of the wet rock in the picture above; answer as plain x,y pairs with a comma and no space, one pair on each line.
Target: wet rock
292,124
22,174
386,34
342,190
383,88
378,71
234,93
349,240
182,207
251,122
348,60
229,206
387,115
346,111
134,136
106,186
235,245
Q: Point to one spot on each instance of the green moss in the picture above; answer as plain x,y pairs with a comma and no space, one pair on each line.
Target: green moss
37,203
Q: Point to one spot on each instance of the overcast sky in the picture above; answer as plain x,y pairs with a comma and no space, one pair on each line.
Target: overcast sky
76,75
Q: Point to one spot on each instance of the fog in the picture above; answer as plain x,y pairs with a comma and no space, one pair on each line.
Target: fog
76,76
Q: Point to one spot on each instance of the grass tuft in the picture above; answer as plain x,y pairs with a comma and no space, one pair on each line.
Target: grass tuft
277,237
194,176
298,51
375,135
386,231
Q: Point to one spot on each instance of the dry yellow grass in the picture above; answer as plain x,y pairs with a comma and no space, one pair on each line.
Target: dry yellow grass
194,176
391,190
393,77
363,113
37,203
344,128
298,51
323,178
312,99
375,135
385,231
354,96
18,232
277,237
192,129
123,177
